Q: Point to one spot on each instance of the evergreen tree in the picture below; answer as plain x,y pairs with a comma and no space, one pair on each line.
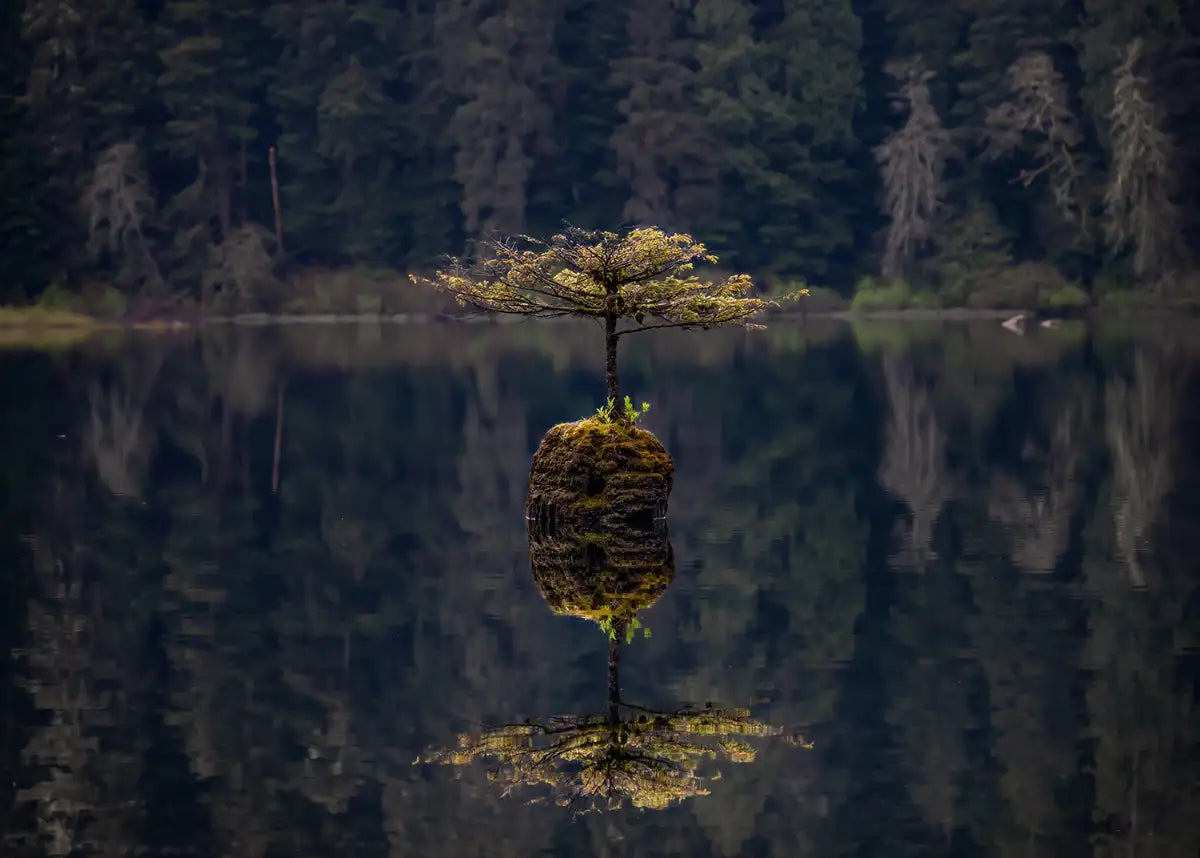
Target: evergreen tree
498,64
89,75
27,237
212,82
1138,199
340,139
580,181
663,147
934,31
781,104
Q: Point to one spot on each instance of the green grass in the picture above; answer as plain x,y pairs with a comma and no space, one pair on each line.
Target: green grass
44,317
41,328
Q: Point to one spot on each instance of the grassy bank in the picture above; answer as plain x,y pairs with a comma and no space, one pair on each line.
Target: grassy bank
360,294
41,328
1030,287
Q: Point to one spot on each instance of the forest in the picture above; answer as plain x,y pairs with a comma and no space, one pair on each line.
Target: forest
934,153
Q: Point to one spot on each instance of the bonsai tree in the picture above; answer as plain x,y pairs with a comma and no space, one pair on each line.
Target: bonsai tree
639,280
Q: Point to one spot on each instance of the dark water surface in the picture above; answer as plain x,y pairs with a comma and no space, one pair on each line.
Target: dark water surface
961,563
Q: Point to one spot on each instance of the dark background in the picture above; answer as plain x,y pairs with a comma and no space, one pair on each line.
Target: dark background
405,129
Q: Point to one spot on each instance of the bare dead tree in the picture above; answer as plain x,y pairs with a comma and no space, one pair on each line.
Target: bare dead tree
1139,432
914,462
912,161
119,204
1038,117
242,266
1137,200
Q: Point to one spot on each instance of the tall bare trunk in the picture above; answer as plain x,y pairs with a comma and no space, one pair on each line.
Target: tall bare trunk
275,201
614,675
610,367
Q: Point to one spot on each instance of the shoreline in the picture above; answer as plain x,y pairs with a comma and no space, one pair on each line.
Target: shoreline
73,322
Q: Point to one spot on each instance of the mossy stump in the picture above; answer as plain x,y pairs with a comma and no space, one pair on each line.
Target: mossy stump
602,576
597,476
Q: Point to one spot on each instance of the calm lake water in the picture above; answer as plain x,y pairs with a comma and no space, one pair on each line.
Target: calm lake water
252,576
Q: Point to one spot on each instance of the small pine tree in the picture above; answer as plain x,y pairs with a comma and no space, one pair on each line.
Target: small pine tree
642,274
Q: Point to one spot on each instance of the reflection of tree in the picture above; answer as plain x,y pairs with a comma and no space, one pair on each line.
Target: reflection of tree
492,471
1023,632
914,467
118,441
85,795
1142,713
1038,516
650,758
929,707
1139,426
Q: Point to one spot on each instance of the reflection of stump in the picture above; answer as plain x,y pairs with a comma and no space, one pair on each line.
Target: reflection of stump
602,575
595,476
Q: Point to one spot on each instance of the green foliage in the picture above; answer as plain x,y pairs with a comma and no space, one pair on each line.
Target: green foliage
58,297
609,413
632,627
780,100
1067,297
869,296
973,252
926,299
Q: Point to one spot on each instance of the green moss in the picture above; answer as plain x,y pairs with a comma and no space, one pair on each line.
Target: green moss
590,475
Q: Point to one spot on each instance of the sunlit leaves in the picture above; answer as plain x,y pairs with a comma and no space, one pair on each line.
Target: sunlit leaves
642,273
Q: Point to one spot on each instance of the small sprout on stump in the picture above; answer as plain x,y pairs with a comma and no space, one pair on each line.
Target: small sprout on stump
609,413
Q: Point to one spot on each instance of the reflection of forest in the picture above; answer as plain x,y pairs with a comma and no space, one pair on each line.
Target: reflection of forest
220,669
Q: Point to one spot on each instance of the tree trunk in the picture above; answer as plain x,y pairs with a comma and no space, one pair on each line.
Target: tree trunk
614,675
610,367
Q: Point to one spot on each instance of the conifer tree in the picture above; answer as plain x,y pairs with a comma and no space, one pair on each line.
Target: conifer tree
1037,116
781,105
26,224
643,274
1138,203
663,148
211,82
88,76
340,141
120,204
497,62
580,179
